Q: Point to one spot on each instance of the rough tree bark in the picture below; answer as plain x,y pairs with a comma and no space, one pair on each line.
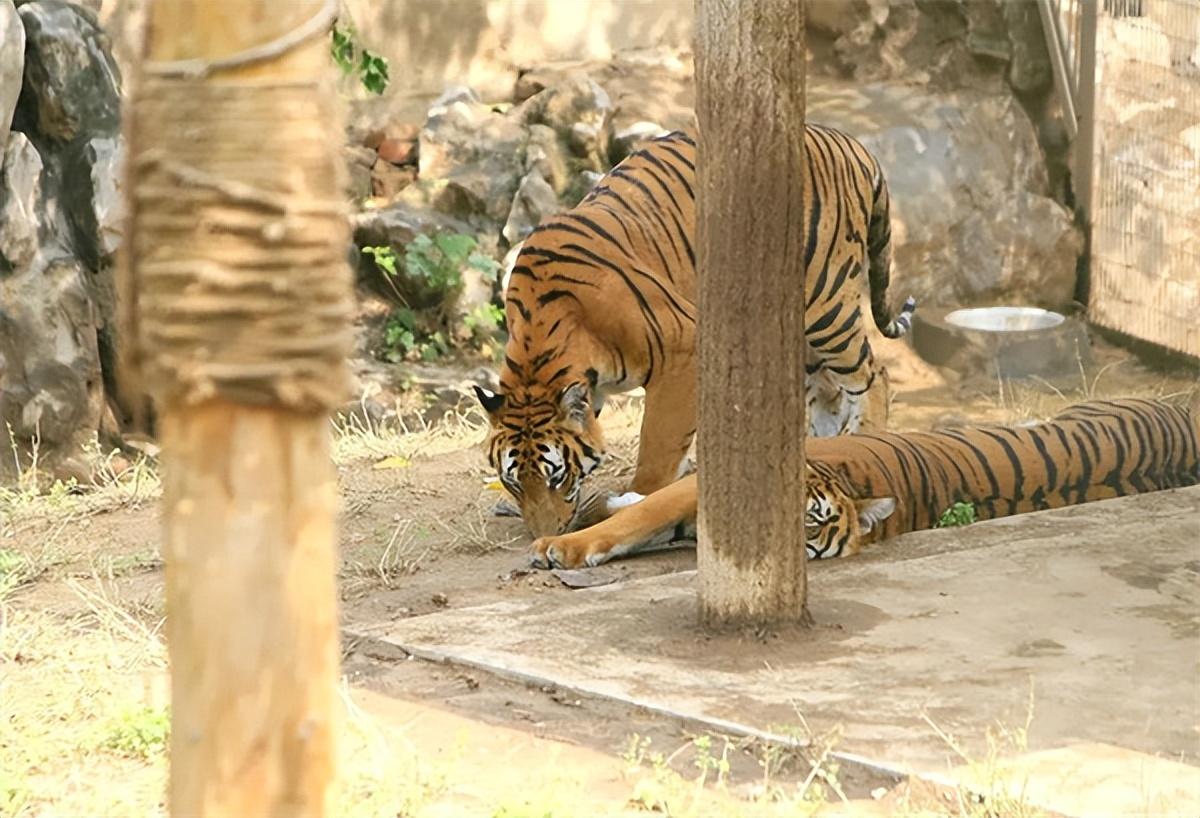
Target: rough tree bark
750,75
233,201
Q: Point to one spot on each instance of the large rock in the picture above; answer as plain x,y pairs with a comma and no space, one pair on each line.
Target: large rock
581,113
21,199
60,226
12,65
971,219
71,79
476,156
395,226
548,157
51,388
93,171
1029,70
399,223
535,200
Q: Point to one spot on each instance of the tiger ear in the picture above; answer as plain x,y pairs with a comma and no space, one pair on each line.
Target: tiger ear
491,401
874,511
574,403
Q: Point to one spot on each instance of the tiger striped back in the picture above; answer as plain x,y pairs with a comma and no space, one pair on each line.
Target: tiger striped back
1091,451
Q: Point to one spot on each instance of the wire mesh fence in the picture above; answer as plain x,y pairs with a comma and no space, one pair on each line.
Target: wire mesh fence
1145,248
1131,91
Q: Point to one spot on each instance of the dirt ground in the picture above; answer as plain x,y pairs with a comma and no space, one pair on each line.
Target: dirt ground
82,665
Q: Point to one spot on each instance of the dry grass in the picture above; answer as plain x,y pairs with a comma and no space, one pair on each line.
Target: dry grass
984,787
1039,399
117,484
77,695
356,438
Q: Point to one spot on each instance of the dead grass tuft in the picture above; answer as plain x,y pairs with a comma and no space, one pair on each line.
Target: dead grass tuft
1039,399
358,438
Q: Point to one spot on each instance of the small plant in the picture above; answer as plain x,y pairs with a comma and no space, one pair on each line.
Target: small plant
707,763
13,571
958,514
437,262
428,286
384,257
354,58
485,324
139,733
405,339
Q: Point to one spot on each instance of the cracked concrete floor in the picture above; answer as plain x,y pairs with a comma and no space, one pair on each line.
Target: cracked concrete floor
1083,623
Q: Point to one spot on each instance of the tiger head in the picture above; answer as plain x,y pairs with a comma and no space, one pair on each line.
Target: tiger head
542,448
836,524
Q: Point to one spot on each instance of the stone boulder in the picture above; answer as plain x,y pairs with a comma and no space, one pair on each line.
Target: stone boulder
51,386
21,203
395,226
547,156
473,154
60,226
535,200
398,223
972,221
93,200
580,112
71,82
12,65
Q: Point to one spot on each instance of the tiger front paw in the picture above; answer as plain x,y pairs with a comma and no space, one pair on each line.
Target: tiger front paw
570,551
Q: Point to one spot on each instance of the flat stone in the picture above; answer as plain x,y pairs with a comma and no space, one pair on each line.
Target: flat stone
1090,613
1096,780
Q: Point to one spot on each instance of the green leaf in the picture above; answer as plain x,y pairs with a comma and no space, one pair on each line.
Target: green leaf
385,258
456,247
484,264
958,514
342,49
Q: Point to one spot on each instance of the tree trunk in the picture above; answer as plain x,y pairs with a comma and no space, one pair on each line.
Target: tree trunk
750,74
238,299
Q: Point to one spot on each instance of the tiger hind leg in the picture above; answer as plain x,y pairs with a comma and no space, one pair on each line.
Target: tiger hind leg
823,405
877,409
846,398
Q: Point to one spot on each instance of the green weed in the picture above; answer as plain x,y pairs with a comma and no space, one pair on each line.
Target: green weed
427,283
140,733
957,515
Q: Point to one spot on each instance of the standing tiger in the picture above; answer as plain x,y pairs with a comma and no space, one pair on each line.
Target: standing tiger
601,299
867,487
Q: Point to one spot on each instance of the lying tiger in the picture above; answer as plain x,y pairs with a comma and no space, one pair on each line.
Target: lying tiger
601,300
868,487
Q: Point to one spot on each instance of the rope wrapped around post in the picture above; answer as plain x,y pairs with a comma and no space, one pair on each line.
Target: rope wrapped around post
236,299
235,282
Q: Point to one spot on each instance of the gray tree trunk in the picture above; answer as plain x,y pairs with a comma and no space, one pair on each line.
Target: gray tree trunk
750,76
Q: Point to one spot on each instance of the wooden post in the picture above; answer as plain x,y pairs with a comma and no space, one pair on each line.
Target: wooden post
238,318
750,76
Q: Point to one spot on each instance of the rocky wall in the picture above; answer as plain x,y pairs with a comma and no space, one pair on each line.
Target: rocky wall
954,96
60,209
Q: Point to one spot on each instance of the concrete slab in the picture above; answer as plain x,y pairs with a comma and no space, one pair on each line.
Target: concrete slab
1096,780
1089,615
